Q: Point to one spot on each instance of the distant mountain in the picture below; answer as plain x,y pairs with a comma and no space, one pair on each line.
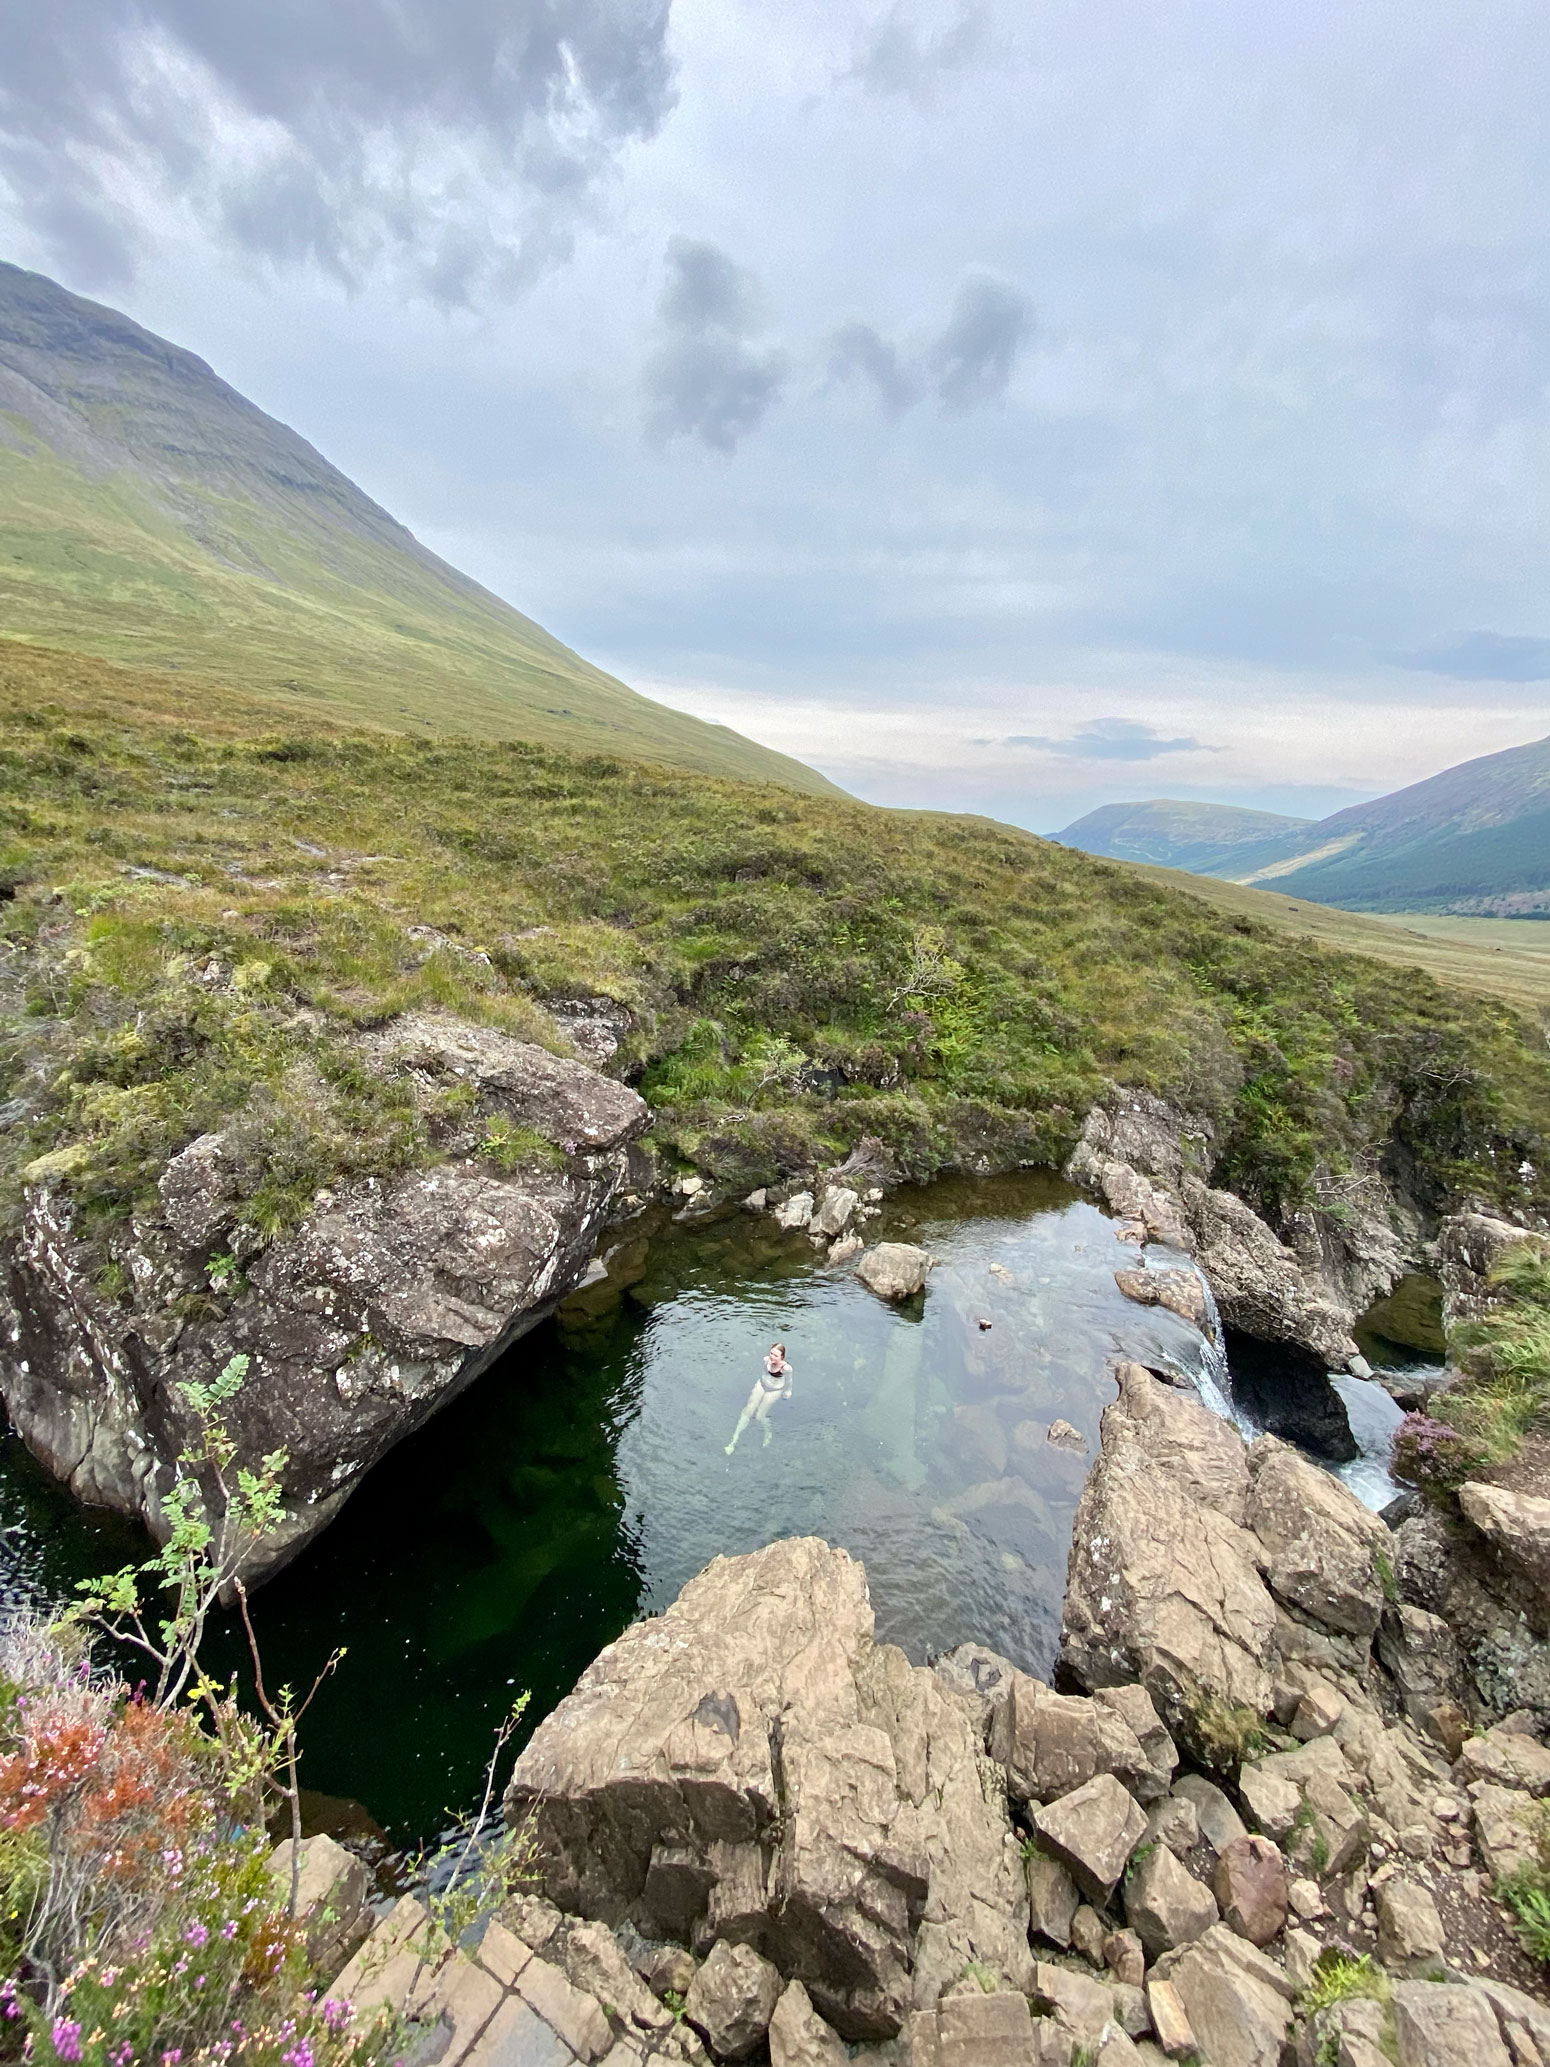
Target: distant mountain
1203,838
1473,840
150,514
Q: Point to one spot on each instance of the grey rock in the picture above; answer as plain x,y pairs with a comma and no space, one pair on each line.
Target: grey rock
1163,1584
1053,1899
984,1676
1088,1932
388,1299
1173,1822
796,1212
1446,2025
1081,2002
1092,1831
799,2037
1125,1957
1165,1905
332,1890
1238,2001
751,1764
1219,1821
732,1999
1516,1525
1506,1758
1180,1291
1410,1935
834,1210
894,1270
1322,1545
975,2029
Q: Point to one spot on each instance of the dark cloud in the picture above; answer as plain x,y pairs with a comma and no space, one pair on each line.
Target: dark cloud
1484,657
896,55
1110,739
707,380
972,360
450,139
859,349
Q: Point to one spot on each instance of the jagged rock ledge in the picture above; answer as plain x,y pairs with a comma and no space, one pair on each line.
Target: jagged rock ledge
760,1834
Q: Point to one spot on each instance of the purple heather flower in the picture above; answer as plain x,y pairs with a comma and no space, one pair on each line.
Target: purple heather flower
300,2054
196,1934
66,2035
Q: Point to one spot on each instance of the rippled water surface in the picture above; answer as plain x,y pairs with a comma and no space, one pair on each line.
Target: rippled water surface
584,1479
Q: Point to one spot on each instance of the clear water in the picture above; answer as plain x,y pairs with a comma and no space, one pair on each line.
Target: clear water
585,1478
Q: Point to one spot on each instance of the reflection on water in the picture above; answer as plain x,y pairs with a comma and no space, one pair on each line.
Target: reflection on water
585,1478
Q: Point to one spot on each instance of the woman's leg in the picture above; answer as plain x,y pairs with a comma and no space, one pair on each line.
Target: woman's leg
761,1413
755,1401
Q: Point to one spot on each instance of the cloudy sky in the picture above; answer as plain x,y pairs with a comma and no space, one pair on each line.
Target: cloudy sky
1009,407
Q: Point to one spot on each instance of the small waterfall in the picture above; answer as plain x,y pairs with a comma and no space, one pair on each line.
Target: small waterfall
1215,1380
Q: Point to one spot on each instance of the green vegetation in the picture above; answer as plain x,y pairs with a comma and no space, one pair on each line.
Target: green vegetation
1496,958
211,920
173,525
1339,1977
1224,1735
1505,1391
1527,1892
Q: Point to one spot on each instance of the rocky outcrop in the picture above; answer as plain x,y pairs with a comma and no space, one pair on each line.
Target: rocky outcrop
387,1298
752,1767
1151,1166
894,1270
1469,1247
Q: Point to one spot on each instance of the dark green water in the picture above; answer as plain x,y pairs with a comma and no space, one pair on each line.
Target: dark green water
585,1479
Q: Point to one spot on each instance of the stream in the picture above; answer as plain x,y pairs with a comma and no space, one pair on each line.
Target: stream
585,1478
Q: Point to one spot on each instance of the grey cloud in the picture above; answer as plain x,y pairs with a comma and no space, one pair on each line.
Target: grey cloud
1111,739
859,349
707,380
453,140
1484,657
897,56
972,360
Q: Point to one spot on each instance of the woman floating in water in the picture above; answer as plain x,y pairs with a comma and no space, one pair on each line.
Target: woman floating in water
773,1383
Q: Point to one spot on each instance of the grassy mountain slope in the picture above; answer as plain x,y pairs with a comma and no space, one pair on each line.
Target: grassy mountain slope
207,910
1496,958
149,514
1475,838
1175,834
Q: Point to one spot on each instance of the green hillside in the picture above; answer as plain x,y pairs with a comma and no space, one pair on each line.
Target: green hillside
150,515
1172,833
207,909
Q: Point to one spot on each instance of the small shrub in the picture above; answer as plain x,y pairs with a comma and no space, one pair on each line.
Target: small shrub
1225,1735
1429,1452
1339,1977
1527,1892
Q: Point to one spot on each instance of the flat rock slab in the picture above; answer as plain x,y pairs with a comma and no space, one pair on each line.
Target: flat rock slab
1093,1831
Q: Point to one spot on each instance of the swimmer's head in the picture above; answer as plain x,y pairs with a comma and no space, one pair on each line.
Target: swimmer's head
777,1349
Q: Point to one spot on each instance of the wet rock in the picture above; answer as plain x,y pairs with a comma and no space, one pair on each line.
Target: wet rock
981,1674
1053,1899
1052,1743
1410,1935
1322,1546
1092,1831
835,1210
1446,2025
1287,1392
1516,1525
1252,1889
846,1249
799,2037
1238,2001
1219,1821
1165,1905
389,1298
1179,1291
1163,1584
796,1212
732,1999
752,1765
1065,1437
894,1270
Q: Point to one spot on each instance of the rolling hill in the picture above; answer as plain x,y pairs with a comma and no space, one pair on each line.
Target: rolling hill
149,514
1473,841
1169,833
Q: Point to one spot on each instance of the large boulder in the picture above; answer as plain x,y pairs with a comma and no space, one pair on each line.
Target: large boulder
751,1766
1323,1548
732,1999
1092,1832
1166,1906
380,1305
1163,1584
1051,1743
1237,2000
894,1270
1516,1525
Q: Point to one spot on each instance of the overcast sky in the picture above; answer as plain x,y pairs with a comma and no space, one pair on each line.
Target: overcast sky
1003,407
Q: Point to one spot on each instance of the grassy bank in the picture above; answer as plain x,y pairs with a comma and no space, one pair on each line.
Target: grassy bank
208,915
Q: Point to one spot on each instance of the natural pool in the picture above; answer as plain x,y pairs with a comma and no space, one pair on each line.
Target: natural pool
585,1478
